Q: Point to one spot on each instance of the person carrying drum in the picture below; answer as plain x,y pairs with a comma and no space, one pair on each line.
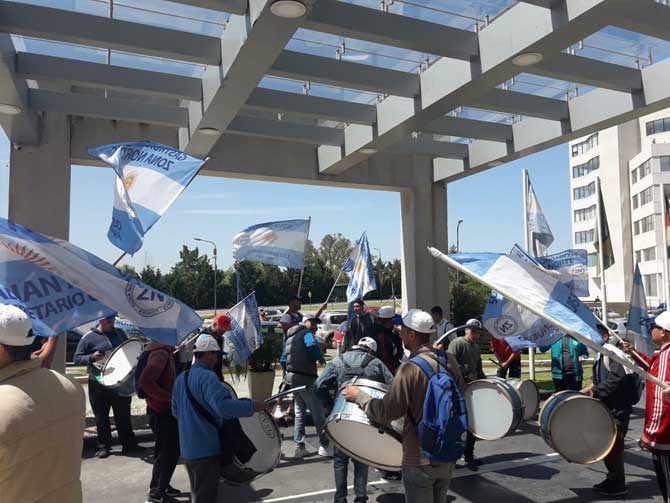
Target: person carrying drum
359,361
302,352
197,435
423,482
93,349
510,361
468,355
656,433
389,346
618,388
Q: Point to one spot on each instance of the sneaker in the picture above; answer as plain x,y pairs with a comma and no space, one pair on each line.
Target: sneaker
610,488
326,451
164,499
102,452
173,492
604,483
300,451
133,449
472,463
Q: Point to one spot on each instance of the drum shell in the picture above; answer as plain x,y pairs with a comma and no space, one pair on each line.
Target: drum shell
512,396
517,383
126,386
348,411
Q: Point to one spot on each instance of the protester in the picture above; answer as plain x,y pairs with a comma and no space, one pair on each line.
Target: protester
423,482
566,369
197,436
93,350
509,361
46,350
362,325
156,381
468,355
292,316
262,314
656,433
357,362
301,355
42,417
617,387
221,324
442,325
389,346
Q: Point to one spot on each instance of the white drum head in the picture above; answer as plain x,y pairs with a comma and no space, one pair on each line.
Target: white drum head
582,430
122,363
263,432
368,444
490,412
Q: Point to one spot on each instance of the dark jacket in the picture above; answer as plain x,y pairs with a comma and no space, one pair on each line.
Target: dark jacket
301,354
359,327
612,385
389,347
94,341
157,379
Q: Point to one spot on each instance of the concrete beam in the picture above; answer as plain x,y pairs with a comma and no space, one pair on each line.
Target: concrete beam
301,66
86,29
232,6
469,128
107,108
647,17
542,3
428,147
283,130
99,76
253,42
512,102
372,25
311,106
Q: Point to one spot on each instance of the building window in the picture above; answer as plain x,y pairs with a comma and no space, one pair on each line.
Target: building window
585,191
665,162
633,176
658,126
638,256
644,169
635,204
584,146
643,225
645,197
586,168
592,260
645,255
584,237
585,214
650,284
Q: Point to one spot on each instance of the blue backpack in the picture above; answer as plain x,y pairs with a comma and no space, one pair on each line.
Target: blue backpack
445,420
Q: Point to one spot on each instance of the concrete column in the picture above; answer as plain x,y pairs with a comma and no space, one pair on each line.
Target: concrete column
39,189
425,281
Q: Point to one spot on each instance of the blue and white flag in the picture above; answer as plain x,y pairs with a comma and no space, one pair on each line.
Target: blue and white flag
246,336
64,286
275,243
538,228
536,290
638,319
149,177
362,276
571,266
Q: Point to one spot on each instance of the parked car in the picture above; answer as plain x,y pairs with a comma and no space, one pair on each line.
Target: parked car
338,336
329,323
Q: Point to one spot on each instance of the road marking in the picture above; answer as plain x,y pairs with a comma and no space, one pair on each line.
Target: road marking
317,493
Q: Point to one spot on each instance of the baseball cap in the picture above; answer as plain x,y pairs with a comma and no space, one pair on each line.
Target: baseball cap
386,312
419,321
475,321
16,329
223,321
366,343
109,317
205,343
662,320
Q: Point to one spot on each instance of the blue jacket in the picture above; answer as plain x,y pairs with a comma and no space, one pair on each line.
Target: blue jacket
197,437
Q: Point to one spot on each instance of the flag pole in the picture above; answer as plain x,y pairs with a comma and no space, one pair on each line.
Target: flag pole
302,271
334,285
120,258
666,282
601,251
538,312
529,250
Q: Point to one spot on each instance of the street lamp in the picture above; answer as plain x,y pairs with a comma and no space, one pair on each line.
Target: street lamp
458,236
214,245
381,263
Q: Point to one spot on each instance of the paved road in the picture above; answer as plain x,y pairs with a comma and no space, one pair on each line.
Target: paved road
520,468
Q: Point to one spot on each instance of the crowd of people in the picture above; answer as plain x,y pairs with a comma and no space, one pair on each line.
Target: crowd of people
42,412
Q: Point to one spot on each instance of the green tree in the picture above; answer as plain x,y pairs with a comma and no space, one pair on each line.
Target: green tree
152,277
333,251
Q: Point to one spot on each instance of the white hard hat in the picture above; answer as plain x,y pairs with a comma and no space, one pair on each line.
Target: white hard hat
366,343
15,326
419,321
662,320
386,312
205,343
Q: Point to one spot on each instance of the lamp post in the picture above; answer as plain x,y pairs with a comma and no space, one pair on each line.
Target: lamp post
214,245
381,263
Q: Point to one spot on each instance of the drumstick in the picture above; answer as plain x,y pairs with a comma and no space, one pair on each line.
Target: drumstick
449,332
495,362
274,398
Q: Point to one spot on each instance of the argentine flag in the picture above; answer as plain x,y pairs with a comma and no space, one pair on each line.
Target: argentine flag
362,276
246,336
149,177
63,286
638,319
276,243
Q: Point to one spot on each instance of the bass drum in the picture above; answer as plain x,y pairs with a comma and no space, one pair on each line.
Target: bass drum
578,427
266,437
118,373
530,396
352,432
494,407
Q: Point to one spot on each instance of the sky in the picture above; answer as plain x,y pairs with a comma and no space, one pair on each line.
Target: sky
216,208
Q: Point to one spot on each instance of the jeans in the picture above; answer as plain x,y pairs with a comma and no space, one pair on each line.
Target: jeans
341,468
514,370
569,382
166,452
304,400
204,477
427,484
102,399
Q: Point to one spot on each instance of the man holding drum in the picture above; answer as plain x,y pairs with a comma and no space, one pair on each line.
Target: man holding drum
92,351
423,482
